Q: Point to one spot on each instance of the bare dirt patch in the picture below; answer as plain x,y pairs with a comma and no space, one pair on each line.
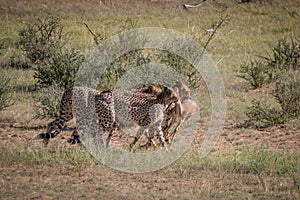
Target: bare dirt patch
63,180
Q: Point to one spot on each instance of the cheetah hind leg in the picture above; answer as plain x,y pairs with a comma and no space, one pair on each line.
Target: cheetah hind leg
141,131
112,131
108,139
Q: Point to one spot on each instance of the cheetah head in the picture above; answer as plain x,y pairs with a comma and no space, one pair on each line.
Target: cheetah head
168,96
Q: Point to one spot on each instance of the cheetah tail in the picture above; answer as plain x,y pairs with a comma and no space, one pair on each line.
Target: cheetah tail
46,135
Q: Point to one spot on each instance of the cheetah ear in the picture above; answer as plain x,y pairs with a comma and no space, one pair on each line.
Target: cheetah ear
151,89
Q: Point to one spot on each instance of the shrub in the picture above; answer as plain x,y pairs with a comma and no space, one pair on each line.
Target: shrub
45,44
287,94
262,114
287,97
61,70
182,66
47,102
120,66
255,72
180,63
41,39
116,69
5,95
135,58
285,55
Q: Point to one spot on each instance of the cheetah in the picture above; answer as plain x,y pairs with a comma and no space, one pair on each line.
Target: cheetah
66,112
179,111
144,109
150,89
108,105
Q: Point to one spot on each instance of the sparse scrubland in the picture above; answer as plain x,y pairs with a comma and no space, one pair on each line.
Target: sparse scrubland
256,47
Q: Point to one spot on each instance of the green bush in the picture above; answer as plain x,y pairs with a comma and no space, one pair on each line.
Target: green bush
55,64
41,39
284,57
142,57
255,72
61,69
287,97
120,66
129,60
182,66
109,77
47,102
45,44
5,95
287,94
263,114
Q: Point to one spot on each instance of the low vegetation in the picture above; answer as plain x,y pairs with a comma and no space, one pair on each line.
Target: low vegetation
47,102
284,59
255,47
5,94
281,70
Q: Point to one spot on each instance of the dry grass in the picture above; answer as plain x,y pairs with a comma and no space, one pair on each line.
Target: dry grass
246,163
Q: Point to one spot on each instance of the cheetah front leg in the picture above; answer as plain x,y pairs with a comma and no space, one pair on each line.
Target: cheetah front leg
158,129
111,133
150,136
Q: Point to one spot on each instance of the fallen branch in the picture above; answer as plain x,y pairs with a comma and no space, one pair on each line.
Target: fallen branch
93,34
186,6
213,31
